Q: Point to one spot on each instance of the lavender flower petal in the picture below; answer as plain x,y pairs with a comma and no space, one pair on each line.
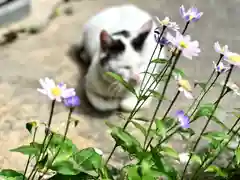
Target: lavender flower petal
72,101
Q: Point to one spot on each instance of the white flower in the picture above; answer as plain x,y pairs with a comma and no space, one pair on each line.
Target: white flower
232,86
166,22
220,67
232,58
55,92
98,151
183,157
184,86
189,48
221,50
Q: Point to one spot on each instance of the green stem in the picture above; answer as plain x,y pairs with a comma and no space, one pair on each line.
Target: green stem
135,109
208,120
48,143
29,158
155,65
163,71
207,90
229,132
165,115
234,156
164,28
161,99
45,137
225,145
202,91
64,138
185,28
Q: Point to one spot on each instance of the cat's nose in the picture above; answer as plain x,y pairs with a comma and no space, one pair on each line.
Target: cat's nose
134,79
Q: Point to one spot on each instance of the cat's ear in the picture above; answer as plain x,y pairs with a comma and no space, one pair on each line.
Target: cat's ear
142,34
146,27
105,40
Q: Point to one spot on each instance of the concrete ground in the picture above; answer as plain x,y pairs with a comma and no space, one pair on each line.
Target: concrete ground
46,54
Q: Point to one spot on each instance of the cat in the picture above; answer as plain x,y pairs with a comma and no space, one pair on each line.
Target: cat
118,39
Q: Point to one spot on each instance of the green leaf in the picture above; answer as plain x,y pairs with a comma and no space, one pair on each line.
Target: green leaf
204,111
32,149
157,95
145,167
133,172
121,80
180,72
160,128
86,160
201,84
214,135
128,142
160,61
161,165
196,158
80,176
186,134
76,122
67,167
169,122
11,174
67,148
217,170
166,150
140,127
31,125
220,123
237,154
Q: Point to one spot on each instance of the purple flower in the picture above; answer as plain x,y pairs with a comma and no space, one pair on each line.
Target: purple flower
220,67
191,15
72,101
183,119
189,48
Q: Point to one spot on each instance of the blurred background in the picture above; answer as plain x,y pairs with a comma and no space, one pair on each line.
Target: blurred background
39,47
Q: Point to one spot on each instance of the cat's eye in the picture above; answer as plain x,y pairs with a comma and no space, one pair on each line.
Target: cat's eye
127,67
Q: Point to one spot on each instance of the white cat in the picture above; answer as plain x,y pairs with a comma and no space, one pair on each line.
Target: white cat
119,39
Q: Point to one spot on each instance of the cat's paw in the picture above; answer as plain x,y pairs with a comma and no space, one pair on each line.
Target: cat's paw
128,104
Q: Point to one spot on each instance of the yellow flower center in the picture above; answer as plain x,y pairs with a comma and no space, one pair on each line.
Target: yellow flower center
165,21
191,17
56,91
185,84
234,58
222,50
183,44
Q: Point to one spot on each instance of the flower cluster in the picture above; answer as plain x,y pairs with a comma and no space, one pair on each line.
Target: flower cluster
231,58
59,92
182,43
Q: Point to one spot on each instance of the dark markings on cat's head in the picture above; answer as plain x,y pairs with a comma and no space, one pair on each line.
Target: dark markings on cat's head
138,42
143,33
123,33
111,47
